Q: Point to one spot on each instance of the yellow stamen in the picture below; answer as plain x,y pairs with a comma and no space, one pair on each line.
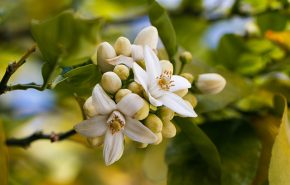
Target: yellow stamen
164,80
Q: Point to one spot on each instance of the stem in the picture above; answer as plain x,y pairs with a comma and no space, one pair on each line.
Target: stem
80,102
26,141
12,68
24,87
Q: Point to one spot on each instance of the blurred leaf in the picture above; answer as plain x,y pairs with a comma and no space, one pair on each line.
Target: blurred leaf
271,21
65,40
181,171
280,160
254,6
259,46
160,19
80,80
239,150
3,158
249,64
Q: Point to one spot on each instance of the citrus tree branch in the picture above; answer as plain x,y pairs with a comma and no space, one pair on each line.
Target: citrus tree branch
26,141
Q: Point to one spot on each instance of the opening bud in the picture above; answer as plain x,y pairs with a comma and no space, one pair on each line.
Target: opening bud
169,129
147,36
123,46
210,83
154,123
121,93
122,71
185,57
111,82
105,51
137,53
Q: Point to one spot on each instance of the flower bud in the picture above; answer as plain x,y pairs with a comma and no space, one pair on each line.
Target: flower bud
185,57
121,93
105,51
166,114
159,138
153,123
123,46
210,83
188,76
147,36
166,66
137,53
191,99
89,108
96,141
169,129
181,92
122,71
111,82
136,88
143,112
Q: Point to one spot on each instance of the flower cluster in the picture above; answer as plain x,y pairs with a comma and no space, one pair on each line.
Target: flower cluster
137,97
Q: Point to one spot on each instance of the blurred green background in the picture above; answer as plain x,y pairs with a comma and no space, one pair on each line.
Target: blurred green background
247,41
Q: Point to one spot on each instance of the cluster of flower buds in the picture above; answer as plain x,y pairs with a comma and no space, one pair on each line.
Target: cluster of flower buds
138,96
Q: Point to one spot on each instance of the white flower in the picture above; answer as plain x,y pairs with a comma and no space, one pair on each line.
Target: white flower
160,86
113,121
147,36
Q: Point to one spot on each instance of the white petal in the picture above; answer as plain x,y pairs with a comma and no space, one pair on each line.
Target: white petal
93,127
153,66
154,101
102,101
121,59
147,36
179,83
113,147
130,104
138,132
140,76
177,104
137,52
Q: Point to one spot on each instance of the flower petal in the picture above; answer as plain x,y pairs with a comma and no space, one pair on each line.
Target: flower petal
177,104
154,101
113,147
102,101
153,66
179,83
130,104
140,76
147,36
138,132
121,59
93,127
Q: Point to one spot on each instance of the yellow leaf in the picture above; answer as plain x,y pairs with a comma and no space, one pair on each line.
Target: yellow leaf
3,158
280,161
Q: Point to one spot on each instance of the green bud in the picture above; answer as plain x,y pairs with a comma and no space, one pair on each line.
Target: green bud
166,113
154,123
121,93
143,112
210,83
168,130
136,88
188,76
181,92
166,66
89,108
95,141
185,57
122,71
111,82
159,140
123,46
191,99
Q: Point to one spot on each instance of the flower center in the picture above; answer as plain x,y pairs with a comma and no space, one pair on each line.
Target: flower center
116,121
164,80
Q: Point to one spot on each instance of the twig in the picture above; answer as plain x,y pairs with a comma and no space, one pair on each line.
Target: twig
12,67
26,141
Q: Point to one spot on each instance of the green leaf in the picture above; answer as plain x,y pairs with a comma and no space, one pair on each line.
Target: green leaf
250,64
237,144
3,158
160,19
280,160
65,40
80,80
183,168
274,21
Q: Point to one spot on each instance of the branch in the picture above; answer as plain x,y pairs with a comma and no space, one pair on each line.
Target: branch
26,141
11,69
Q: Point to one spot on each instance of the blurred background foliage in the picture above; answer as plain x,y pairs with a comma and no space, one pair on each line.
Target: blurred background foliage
246,41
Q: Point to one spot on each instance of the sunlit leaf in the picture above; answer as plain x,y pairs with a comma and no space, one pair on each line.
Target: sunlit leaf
160,19
280,160
275,21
